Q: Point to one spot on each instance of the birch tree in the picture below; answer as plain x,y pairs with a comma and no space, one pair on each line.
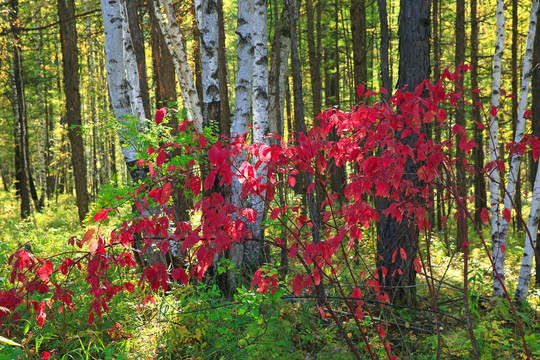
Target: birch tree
242,108
169,27
496,234
499,244
207,17
260,118
530,243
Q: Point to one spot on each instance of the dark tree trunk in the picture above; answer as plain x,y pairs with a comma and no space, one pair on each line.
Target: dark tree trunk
164,73
439,204
22,171
385,41
314,60
460,119
480,200
515,92
138,47
358,30
70,60
414,67
535,121
225,111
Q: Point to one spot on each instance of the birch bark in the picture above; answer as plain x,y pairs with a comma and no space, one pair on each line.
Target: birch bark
242,110
530,243
496,233
171,32
260,121
207,17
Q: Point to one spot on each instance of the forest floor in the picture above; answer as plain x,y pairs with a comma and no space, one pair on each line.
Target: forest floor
198,322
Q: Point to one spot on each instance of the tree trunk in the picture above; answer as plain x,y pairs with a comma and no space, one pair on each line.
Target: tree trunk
225,122
480,199
498,255
22,172
530,241
414,67
164,73
314,61
358,30
70,60
461,175
514,67
242,113
207,16
385,40
171,33
515,159
535,122
138,47
281,48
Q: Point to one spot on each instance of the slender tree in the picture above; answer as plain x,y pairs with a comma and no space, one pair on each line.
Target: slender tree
358,31
414,67
70,60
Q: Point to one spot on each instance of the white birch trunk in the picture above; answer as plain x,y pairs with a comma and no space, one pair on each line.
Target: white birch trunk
171,33
242,109
496,234
130,63
207,16
528,252
116,73
260,117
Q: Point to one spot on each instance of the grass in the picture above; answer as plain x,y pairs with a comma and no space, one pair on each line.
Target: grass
198,322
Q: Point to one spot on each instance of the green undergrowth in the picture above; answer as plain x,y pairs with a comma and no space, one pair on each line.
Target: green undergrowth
197,322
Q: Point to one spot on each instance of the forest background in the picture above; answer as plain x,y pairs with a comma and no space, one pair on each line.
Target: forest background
80,79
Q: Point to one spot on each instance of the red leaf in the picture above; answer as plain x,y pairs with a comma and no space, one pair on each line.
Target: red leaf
180,274
195,185
503,248
403,254
417,266
275,213
165,194
527,114
161,158
91,319
484,215
476,91
292,181
360,90
507,214
494,111
190,241
102,215
46,355
93,246
88,235
129,287
210,180
375,284
441,115
160,115
216,155
202,142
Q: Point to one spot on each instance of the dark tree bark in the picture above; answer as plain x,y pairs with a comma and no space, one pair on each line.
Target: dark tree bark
535,122
314,60
164,73
480,200
70,60
358,30
515,91
460,118
138,46
225,111
385,41
414,67
22,172
439,204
